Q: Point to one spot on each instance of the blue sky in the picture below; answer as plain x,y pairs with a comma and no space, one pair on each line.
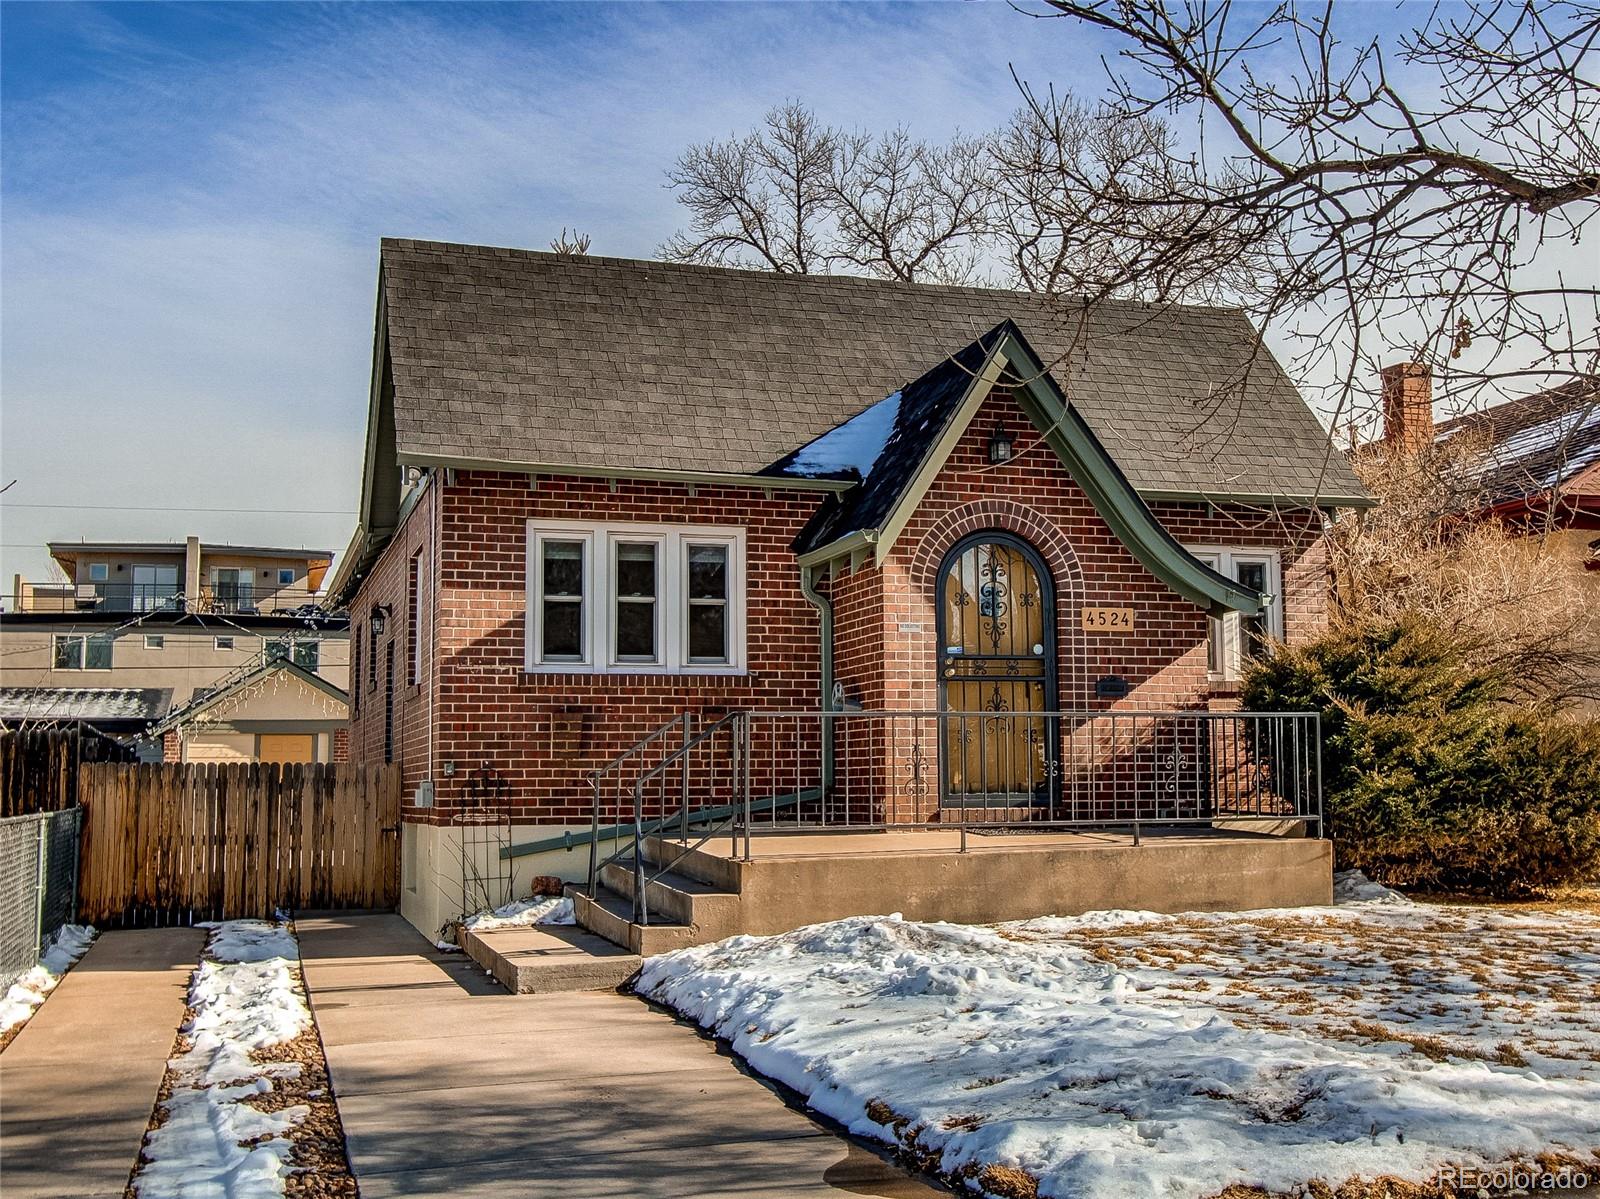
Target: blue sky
193,196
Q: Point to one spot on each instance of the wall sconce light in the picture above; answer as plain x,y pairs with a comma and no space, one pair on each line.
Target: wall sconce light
380,617
1000,444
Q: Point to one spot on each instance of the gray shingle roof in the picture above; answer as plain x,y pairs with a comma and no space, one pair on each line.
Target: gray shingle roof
524,357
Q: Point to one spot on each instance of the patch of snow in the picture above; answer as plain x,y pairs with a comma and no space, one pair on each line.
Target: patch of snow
524,913
855,445
1351,886
30,988
213,1144
1129,1053
447,947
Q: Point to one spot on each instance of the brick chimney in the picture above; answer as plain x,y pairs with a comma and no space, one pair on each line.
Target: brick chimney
1408,407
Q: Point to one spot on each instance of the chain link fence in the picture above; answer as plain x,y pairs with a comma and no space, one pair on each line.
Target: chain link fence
38,884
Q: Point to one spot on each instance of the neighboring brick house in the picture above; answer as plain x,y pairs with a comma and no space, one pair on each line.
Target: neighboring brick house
598,493
1531,463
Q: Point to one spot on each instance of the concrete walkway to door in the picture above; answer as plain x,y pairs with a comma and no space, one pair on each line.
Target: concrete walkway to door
448,1085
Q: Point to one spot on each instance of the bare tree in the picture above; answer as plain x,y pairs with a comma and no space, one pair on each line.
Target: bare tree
797,195
574,243
1430,193
907,209
762,200
1080,206
1515,601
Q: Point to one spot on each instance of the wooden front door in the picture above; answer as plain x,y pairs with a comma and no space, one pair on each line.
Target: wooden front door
996,666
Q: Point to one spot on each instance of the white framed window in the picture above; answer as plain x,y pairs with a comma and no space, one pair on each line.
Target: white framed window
155,641
73,651
285,577
634,598
99,572
1234,639
222,642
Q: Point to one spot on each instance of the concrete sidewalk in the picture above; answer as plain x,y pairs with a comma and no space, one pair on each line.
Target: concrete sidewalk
78,1084
448,1085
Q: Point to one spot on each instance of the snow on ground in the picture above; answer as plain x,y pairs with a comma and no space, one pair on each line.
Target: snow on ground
214,1144
524,913
30,989
1130,1053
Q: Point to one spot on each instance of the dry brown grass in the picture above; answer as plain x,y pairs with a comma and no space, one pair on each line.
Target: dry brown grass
1008,1182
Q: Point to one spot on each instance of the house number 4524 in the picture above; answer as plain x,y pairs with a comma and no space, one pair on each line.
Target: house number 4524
1106,620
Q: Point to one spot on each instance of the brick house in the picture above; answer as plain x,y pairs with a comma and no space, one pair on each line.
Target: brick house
601,496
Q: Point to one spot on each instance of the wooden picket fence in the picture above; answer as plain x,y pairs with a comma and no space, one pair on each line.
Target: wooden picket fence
39,768
173,843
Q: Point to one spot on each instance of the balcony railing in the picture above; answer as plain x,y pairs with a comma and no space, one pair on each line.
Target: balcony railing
223,599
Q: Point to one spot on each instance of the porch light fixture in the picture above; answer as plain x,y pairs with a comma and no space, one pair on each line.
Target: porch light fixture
380,616
1000,443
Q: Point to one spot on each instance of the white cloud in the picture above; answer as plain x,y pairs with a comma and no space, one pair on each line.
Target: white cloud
191,234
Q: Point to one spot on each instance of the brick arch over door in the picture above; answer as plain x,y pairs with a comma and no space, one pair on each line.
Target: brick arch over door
1060,559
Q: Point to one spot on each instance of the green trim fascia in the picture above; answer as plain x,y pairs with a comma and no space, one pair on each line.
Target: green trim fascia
1258,498
617,832
1113,497
861,539
709,478
978,389
824,606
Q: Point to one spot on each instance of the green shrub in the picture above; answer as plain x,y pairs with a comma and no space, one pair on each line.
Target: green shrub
1429,779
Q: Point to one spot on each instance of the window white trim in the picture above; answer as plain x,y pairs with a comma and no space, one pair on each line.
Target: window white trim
155,641
222,642
99,572
1227,634
600,603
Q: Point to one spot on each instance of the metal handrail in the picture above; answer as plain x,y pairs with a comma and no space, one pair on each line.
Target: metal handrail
733,720
684,720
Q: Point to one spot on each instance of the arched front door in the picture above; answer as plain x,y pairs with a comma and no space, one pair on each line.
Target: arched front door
997,664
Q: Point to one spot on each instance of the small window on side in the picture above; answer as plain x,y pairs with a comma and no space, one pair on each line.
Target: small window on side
99,572
155,641
222,642
285,578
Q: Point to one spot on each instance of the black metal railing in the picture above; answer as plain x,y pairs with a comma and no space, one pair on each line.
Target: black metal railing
772,771
246,599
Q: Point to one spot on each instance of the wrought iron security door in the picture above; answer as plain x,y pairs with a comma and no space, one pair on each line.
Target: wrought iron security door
996,667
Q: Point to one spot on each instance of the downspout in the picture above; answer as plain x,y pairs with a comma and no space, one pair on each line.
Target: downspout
824,607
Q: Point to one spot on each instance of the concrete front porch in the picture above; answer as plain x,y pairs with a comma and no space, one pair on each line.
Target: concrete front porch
696,895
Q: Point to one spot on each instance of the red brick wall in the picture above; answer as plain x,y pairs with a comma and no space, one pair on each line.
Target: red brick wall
885,629
414,726
524,742
1163,657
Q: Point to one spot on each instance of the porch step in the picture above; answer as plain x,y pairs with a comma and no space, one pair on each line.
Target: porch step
538,961
678,899
611,916
724,874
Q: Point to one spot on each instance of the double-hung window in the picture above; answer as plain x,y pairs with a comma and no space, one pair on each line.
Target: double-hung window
661,599
1235,638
